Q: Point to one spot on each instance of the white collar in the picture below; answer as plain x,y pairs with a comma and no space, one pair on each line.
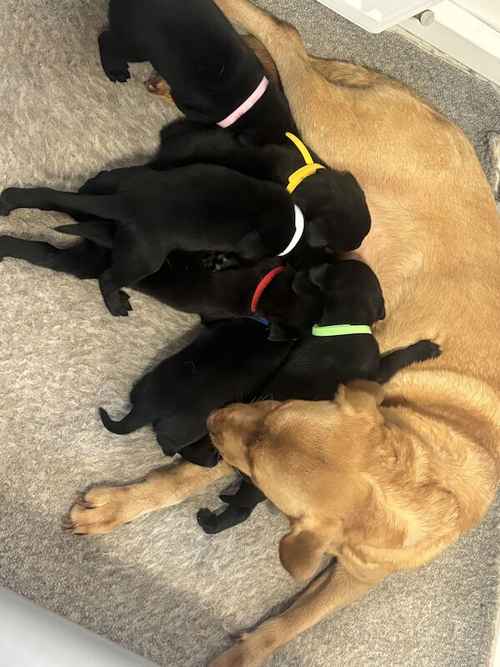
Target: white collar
299,230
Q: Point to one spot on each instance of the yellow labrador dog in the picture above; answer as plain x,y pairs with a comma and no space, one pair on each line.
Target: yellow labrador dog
384,481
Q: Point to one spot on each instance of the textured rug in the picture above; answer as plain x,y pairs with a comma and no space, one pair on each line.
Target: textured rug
159,586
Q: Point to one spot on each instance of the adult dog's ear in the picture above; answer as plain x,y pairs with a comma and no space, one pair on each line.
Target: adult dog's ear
360,396
301,553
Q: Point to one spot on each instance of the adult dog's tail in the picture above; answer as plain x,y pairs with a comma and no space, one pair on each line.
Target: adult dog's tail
128,424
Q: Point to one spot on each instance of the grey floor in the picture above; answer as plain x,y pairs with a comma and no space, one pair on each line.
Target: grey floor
159,586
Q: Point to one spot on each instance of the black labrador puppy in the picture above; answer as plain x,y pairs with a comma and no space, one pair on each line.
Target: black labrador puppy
332,202
194,283
340,348
151,213
213,75
146,213
177,396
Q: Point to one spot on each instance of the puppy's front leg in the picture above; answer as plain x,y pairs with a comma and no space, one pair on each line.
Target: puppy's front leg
332,590
103,508
113,61
393,362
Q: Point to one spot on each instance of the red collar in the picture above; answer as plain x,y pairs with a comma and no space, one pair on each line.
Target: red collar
262,285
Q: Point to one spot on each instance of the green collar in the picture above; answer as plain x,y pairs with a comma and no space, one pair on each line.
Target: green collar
340,329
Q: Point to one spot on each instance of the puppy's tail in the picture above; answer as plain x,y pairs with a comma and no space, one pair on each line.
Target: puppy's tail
128,424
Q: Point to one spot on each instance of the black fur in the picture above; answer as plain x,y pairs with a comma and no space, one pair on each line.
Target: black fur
177,396
333,203
317,365
193,46
152,213
185,284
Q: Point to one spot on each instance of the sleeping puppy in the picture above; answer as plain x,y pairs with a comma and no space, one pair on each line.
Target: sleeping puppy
156,85
213,75
150,213
332,202
147,213
340,348
177,396
189,283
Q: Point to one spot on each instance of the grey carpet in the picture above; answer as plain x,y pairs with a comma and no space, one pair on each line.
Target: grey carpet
159,586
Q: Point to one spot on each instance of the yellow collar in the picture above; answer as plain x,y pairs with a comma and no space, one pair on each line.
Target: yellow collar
310,167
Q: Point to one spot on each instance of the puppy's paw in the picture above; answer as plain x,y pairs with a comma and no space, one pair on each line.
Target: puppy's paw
208,521
7,201
427,349
118,303
118,75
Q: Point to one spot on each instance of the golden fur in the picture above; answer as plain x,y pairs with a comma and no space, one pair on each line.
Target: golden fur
384,480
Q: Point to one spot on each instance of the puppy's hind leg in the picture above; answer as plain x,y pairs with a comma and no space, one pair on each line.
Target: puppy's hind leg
393,362
113,61
108,207
85,260
134,258
107,182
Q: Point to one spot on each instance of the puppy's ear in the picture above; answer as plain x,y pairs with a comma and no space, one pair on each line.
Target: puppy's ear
321,276
360,396
250,247
302,284
301,553
280,333
319,233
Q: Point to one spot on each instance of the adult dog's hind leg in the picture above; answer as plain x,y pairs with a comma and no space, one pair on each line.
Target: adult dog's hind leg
332,590
84,260
103,508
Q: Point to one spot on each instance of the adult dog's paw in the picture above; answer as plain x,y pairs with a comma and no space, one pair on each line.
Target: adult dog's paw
239,655
102,509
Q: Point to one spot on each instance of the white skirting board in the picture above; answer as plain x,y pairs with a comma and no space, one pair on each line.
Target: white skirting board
378,15
472,40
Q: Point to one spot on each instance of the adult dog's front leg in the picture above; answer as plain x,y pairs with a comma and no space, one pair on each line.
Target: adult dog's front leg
103,508
332,590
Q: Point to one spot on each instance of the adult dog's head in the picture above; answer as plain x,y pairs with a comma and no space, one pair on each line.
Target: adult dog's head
308,459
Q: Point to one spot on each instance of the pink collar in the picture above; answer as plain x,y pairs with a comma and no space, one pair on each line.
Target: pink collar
246,105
